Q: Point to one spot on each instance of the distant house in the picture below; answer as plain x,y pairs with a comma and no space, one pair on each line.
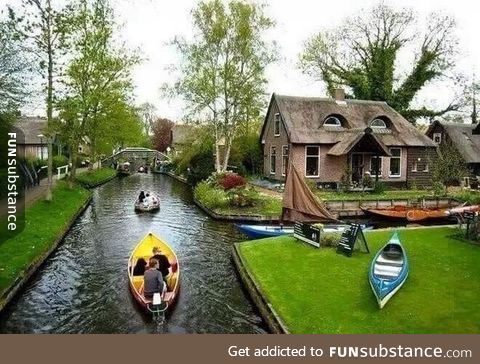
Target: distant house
328,139
180,136
35,143
464,137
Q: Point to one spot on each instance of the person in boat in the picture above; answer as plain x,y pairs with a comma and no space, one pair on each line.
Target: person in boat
153,280
163,262
141,197
139,269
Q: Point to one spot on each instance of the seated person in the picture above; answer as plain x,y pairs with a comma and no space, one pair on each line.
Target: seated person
153,280
164,264
139,269
141,197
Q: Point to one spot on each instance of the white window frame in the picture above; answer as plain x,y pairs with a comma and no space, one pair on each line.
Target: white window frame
337,123
276,119
384,126
284,167
399,166
380,160
415,166
439,135
273,147
426,168
318,161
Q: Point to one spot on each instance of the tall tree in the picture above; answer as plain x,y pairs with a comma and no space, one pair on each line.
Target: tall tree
39,23
98,77
162,134
223,69
363,55
148,112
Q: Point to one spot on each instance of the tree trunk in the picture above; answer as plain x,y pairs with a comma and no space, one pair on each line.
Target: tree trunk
49,111
226,157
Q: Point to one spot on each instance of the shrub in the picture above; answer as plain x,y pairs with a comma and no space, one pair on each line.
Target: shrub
59,161
231,180
312,185
210,196
243,197
330,239
379,187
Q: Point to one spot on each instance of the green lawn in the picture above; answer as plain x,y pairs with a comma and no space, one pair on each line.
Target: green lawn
96,177
365,196
319,291
44,221
268,206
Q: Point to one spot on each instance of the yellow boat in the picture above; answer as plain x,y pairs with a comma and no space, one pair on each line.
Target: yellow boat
144,250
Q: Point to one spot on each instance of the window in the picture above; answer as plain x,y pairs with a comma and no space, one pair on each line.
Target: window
425,168
378,123
276,124
395,162
437,138
332,121
312,154
414,166
375,163
273,159
42,152
284,159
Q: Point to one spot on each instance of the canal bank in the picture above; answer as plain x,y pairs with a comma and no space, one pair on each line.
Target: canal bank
300,289
83,286
46,224
96,177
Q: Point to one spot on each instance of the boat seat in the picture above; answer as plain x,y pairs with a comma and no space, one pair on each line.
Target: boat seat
387,261
387,271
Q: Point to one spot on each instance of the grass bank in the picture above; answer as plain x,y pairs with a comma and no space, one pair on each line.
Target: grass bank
368,196
319,291
44,223
96,177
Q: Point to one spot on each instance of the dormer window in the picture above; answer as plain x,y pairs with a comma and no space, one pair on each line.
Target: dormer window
332,121
276,124
378,124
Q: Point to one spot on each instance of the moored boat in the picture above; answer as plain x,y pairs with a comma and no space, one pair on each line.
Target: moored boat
144,250
388,270
408,213
462,209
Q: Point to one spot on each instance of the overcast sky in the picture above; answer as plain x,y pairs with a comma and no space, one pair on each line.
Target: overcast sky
150,24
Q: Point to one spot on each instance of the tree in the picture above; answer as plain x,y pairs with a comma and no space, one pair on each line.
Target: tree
40,24
148,110
162,134
363,55
97,80
448,166
222,73
14,69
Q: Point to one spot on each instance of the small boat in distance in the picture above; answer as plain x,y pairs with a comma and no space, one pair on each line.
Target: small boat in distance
388,270
268,231
124,169
408,213
151,202
144,250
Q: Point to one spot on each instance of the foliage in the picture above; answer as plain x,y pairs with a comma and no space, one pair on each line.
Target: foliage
147,110
96,177
231,180
222,73
243,197
367,181
312,185
162,134
59,161
346,178
209,196
448,167
45,222
379,187
362,54
319,304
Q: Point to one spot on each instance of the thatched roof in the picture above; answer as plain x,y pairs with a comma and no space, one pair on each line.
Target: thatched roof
353,139
462,137
181,133
304,116
31,128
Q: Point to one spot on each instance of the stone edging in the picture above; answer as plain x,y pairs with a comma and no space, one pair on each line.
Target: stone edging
21,280
237,218
272,319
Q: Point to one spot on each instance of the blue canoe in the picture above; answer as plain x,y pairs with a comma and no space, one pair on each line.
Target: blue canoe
268,231
389,270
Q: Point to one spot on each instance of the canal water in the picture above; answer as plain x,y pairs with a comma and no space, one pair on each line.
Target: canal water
83,287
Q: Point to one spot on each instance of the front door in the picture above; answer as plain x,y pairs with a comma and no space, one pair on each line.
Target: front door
357,167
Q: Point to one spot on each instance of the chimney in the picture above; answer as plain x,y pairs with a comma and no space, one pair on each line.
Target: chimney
339,94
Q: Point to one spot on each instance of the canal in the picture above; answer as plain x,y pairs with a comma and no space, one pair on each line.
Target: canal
83,286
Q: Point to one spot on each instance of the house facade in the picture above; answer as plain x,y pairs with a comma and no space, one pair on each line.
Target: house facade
333,139
35,144
464,137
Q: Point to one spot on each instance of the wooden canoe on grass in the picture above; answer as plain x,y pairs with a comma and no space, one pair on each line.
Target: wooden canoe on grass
408,213
388,270
144,250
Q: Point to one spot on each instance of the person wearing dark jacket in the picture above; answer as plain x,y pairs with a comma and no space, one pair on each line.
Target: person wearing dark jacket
153,280
164,264
139,269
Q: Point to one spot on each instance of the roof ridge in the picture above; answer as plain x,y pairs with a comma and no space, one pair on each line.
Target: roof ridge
329,99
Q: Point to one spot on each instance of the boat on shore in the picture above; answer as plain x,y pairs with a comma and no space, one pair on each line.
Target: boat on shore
388,270
407,213
144,250
268,231
149,203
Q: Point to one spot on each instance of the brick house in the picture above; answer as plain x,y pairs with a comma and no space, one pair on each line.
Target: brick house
330,138
464,137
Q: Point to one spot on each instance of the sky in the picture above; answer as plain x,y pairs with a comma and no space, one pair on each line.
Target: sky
149,25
